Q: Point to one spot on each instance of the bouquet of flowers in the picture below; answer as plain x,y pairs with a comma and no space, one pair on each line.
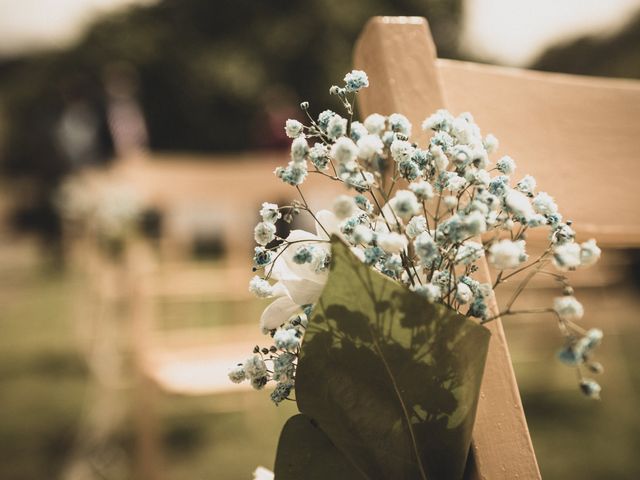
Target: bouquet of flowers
376,325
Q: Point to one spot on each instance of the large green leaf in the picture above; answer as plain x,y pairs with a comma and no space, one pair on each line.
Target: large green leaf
392,380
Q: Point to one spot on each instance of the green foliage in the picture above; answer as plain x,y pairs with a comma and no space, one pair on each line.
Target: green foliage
391,381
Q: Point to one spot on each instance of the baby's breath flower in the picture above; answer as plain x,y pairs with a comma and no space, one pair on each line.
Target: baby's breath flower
237,374
293,174
430,291
416,226
455,183
293,128
463,293
439,158
269,212
400,124
461,155
355,80
337,127
362,235
507,254
284,367
369,146
518,204
426,248
392,242
286,339
344,150
260,287
363,204
506,165
303,254
450,202
469,252
255,367
405,204
323,119
568,308
344,206
261,256
563,233
299,149
441,120
320,260
422,190
590,388
401,150
527,184
264,232
543,203
589,253
281,392
566,256
319,156
408,169
375,123
491,143
358,131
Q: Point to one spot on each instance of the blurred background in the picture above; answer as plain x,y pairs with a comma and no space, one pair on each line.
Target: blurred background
137,140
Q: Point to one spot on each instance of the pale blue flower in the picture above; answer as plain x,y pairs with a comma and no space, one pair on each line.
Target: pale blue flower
400,124
589,253
358,130
255,367
281,392
237,374
355,80
269,212
426,248
323,119
261,257
264,232
506,165
409,170
337,127
491,143
284,367
260,287
543,203
441,120
293,128
286,339
568,307
375,123
527,184
319,156
590,388
430,291
303,254
416,226
299,149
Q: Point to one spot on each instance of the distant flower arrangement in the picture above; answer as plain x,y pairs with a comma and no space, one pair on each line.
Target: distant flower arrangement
422,217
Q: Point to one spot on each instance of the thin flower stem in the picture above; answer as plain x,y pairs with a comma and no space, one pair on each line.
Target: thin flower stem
310,212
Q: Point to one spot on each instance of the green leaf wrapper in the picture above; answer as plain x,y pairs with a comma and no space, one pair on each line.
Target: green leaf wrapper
387,383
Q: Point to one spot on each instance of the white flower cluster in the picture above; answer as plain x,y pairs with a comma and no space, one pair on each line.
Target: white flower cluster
423,215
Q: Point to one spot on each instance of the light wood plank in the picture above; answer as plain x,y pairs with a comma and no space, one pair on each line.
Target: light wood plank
399,56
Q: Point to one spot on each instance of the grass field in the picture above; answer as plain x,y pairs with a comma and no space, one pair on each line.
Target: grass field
46,390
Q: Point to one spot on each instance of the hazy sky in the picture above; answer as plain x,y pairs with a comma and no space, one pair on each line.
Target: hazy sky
509,31
514,31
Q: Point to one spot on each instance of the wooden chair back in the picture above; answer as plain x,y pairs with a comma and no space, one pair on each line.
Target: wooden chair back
576,135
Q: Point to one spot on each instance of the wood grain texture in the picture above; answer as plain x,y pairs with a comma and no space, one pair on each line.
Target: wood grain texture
399,56
576,135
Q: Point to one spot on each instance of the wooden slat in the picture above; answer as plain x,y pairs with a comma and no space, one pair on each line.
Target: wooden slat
577,135
399,56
